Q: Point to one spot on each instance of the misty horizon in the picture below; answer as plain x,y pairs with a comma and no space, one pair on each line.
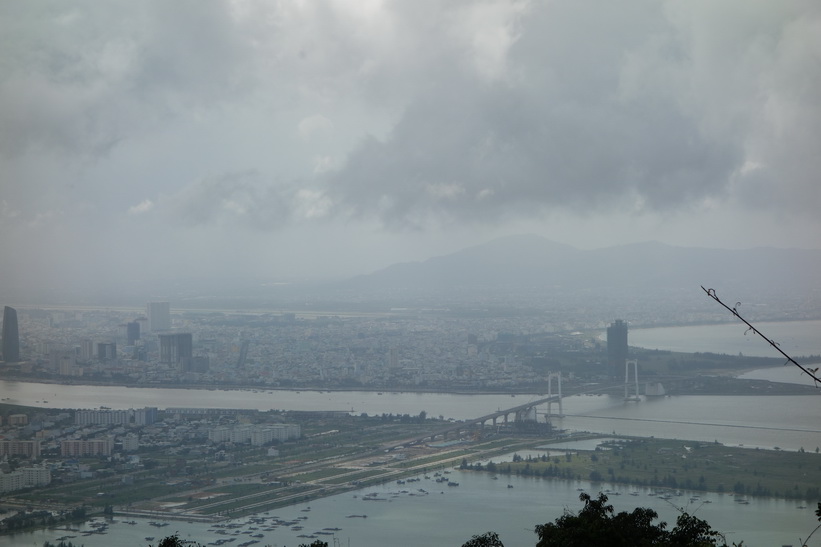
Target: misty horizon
153,141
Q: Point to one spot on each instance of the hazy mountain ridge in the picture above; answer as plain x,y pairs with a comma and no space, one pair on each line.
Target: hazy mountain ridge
539,262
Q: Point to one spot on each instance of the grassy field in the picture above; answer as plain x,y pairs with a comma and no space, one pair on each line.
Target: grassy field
682,465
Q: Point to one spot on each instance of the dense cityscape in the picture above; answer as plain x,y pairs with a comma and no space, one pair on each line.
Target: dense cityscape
282,350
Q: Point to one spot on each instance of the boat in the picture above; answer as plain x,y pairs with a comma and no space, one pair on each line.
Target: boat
510,486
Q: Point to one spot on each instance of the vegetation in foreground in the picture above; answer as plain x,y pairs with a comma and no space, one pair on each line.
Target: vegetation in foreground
597,523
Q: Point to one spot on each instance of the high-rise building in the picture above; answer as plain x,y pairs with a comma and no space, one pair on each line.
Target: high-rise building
87,350
132,332
11,337
177,349
159,316
616,347
107,351
143,323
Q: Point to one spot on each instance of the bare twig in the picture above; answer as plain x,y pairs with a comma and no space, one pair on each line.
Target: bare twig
807,541
811,372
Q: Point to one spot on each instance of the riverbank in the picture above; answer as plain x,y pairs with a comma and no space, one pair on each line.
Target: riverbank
536,389
677,464
695,381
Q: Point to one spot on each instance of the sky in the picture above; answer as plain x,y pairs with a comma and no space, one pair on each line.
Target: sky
310,139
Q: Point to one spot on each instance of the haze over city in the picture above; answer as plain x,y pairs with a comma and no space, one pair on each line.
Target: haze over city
478,258
281,141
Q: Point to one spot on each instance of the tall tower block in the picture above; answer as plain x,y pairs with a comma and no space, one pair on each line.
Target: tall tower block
616,347
11,338
159,316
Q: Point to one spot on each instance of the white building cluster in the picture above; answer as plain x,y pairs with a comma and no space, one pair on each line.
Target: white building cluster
256,435
141,416
25,477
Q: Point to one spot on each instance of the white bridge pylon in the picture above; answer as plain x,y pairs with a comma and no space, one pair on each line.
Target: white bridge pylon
550,377
635,364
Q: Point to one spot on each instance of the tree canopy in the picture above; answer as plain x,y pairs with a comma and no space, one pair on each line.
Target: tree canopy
597,523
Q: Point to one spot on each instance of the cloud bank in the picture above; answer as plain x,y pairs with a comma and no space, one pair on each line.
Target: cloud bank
265,117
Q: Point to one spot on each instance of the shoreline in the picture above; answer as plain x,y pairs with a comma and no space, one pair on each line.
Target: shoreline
742,386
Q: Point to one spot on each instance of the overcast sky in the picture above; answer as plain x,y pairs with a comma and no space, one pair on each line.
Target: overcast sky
300,138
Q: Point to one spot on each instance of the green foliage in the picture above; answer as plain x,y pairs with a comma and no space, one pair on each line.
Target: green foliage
315,543
488,539
598,524
175,541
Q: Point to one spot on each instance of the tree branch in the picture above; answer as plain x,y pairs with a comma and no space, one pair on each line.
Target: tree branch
811,372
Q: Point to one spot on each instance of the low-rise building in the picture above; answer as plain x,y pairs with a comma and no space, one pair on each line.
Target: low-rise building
30,449
25,477
91,447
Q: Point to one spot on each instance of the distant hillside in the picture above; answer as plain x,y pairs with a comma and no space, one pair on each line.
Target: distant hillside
533,261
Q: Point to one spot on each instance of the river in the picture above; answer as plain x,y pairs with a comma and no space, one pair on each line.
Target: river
797,338
783,421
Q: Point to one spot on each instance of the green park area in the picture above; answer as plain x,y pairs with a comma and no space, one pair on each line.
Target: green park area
674,464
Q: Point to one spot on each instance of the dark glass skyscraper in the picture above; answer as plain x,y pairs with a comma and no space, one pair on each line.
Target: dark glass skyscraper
177,349
617,347
11,338
132,332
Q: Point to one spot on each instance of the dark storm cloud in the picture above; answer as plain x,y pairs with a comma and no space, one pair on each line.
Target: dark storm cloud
413,114
499,150
572,122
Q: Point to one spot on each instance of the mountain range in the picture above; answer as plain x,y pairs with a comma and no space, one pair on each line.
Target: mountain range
533,261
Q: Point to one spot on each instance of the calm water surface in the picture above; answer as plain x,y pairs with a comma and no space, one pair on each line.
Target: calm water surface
797,338
448,516
788,422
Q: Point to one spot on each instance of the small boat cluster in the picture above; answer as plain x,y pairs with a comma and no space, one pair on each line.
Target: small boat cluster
255,526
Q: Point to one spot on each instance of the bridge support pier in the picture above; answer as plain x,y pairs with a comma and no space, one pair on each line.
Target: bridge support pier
635,365
550,377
